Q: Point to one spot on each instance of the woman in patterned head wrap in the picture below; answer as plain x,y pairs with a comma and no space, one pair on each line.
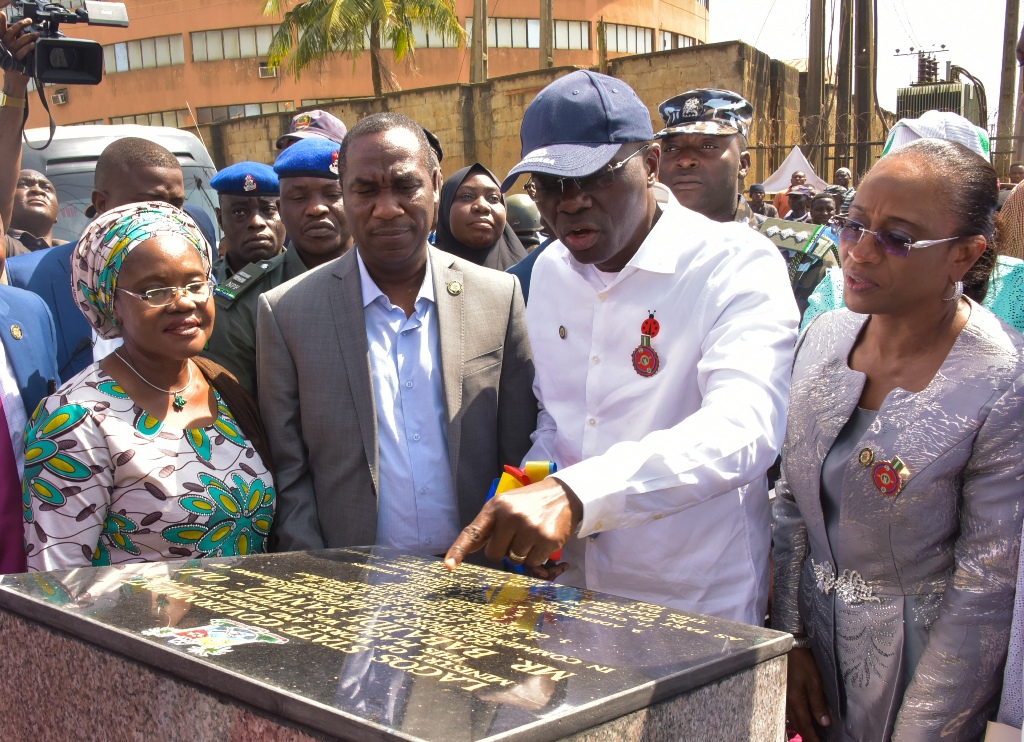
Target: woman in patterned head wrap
898,514
152,453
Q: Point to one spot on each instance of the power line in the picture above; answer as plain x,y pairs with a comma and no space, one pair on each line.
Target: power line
765,22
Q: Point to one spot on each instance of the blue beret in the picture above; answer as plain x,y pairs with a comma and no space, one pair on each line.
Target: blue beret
246,179
315,157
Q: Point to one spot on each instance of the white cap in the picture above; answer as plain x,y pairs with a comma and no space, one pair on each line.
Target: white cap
938,125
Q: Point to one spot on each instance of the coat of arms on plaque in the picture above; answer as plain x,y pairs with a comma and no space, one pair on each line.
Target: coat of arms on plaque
219,636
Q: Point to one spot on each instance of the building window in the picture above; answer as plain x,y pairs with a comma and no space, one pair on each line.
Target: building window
179,119
313,102
431,39
671,40
572,34
629,39
232,43
86,123
213,114
143,54
510,33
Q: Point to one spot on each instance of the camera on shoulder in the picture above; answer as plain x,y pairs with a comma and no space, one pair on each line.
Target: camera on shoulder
56,58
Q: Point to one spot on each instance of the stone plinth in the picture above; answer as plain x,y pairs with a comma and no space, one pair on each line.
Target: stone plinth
369,644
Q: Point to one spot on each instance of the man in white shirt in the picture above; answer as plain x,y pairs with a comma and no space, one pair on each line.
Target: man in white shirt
663,343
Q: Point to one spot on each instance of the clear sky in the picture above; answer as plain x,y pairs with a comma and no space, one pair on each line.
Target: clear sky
972,31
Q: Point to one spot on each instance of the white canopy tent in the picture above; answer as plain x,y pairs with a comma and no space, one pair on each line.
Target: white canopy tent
782,178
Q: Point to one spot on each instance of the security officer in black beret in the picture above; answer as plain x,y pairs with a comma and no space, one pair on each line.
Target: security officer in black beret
313,216
248,215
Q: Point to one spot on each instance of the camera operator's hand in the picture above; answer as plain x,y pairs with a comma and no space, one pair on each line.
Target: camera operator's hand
19,44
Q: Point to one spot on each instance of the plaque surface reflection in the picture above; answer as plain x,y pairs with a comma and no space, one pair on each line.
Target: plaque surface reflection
377,644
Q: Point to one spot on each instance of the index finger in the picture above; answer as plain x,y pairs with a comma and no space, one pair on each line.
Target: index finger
472,538
16,27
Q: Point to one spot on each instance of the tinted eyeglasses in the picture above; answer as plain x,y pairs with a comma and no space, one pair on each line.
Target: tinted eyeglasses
161,297
893,243
547,187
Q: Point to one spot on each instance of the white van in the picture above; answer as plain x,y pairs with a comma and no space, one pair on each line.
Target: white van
70,161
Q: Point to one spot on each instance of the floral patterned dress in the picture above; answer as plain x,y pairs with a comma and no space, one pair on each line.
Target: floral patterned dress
107,483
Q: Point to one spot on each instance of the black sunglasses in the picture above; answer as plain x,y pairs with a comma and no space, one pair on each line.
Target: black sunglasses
547,187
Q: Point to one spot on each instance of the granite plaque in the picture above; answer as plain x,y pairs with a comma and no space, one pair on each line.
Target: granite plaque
373,643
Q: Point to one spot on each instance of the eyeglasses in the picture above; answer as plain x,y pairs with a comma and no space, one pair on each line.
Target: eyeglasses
161,297
546,187
893,242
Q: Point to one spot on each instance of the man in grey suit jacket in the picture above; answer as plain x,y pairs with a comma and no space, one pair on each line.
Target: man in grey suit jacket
396,380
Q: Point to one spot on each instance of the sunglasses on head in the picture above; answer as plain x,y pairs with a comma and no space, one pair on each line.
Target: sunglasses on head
894,243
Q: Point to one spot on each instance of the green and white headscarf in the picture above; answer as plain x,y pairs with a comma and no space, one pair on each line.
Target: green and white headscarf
108,240
939,125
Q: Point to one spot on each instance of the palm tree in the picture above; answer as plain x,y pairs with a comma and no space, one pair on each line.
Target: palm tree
312,31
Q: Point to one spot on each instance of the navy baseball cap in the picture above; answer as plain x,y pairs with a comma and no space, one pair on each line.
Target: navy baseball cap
577,124
246,179
315,157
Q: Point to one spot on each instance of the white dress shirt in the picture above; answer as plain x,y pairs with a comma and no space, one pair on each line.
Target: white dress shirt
14,409
670,468
416,505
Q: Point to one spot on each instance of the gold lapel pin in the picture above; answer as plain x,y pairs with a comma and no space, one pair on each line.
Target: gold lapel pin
561,332
867,457
454,288
16,332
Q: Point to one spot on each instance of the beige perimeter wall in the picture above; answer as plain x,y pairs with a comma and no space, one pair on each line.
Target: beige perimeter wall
481,122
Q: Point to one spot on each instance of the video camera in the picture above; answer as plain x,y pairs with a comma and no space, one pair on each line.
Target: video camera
56,58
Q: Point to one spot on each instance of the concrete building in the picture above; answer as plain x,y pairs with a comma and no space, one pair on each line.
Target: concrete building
187,62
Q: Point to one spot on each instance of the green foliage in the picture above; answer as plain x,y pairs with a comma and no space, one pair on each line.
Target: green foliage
312,31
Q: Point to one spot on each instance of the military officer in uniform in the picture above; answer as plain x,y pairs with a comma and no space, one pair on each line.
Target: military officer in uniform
312,214
248,214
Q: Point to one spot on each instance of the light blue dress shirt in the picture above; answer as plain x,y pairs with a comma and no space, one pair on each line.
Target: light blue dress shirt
416,505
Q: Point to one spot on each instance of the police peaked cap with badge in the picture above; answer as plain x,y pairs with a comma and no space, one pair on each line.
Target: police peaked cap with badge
315,157
252,179
719,113
577,124
316,123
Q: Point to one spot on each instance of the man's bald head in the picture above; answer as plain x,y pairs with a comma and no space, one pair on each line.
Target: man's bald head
131,170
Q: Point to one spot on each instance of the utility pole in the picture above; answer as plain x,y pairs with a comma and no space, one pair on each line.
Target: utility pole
1018,125
864,77
1007,87
478,55
814,123
844,84
547,34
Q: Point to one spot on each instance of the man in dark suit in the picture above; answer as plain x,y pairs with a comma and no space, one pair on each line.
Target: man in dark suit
28,372
396,380
127,171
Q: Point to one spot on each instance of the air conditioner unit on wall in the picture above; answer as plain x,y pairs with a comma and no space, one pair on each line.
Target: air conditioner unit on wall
60,97
267,71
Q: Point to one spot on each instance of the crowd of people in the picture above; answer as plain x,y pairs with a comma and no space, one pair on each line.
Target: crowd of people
369,344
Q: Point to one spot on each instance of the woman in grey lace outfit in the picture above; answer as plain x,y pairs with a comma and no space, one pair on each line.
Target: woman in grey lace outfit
898,515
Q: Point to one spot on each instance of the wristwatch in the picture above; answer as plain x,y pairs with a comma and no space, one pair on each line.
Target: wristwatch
7,101
801,642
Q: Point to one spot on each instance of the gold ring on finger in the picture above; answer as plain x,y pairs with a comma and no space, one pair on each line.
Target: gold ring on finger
515,557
